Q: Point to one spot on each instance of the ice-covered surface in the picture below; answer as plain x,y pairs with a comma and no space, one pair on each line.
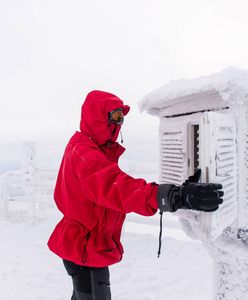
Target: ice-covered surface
222,150
30,271
231,84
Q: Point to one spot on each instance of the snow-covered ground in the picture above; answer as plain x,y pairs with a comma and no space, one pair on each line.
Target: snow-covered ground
30,271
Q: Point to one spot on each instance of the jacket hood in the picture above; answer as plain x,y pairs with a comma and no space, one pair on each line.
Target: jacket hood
94,116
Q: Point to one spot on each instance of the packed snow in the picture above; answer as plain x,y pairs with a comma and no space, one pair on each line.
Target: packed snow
30,271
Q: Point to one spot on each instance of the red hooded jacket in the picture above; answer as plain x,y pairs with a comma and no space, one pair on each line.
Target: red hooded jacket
93,193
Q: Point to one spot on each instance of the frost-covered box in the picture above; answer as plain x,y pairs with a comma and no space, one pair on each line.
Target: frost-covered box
203,124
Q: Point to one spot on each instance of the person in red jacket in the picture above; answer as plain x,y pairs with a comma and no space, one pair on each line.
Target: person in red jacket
94,196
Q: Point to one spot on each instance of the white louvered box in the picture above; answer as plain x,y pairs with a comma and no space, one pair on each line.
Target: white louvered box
206,141
203,124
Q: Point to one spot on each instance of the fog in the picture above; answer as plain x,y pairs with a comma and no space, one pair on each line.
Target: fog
54,52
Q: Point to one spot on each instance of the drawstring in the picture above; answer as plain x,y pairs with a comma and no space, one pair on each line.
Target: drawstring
121,137
160,233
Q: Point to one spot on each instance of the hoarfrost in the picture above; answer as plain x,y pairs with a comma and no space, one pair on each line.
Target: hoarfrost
221,146
231,84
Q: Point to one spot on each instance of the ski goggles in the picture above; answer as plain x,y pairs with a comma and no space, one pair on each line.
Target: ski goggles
116,116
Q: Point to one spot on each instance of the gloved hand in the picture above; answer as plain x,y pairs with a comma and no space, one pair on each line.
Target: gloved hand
190,195
195,177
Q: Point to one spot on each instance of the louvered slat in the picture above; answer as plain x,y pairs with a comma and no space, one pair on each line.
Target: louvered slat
172,154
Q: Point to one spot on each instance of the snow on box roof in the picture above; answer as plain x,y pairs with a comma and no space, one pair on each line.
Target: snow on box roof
218,90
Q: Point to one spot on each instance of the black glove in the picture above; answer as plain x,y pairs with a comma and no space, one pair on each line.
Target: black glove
190,195
195,177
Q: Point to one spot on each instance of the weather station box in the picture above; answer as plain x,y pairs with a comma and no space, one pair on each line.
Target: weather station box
203,124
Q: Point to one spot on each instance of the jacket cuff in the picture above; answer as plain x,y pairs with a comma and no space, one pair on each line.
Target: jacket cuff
153,203
163,197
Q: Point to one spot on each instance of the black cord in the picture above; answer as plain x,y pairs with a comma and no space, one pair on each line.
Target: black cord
160,233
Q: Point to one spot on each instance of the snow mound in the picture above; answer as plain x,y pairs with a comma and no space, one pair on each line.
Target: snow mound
231,84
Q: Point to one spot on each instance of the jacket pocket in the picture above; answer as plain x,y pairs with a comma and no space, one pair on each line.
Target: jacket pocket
104,244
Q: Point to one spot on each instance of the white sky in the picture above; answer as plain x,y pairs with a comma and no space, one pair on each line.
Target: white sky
53,52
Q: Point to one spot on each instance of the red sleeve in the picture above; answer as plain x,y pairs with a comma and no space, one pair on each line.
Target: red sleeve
104,183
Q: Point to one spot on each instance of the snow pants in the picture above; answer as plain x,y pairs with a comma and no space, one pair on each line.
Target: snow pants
89,283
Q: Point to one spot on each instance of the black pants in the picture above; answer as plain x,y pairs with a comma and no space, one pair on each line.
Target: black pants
88,283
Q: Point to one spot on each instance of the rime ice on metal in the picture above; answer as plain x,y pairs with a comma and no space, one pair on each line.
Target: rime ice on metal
28,191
